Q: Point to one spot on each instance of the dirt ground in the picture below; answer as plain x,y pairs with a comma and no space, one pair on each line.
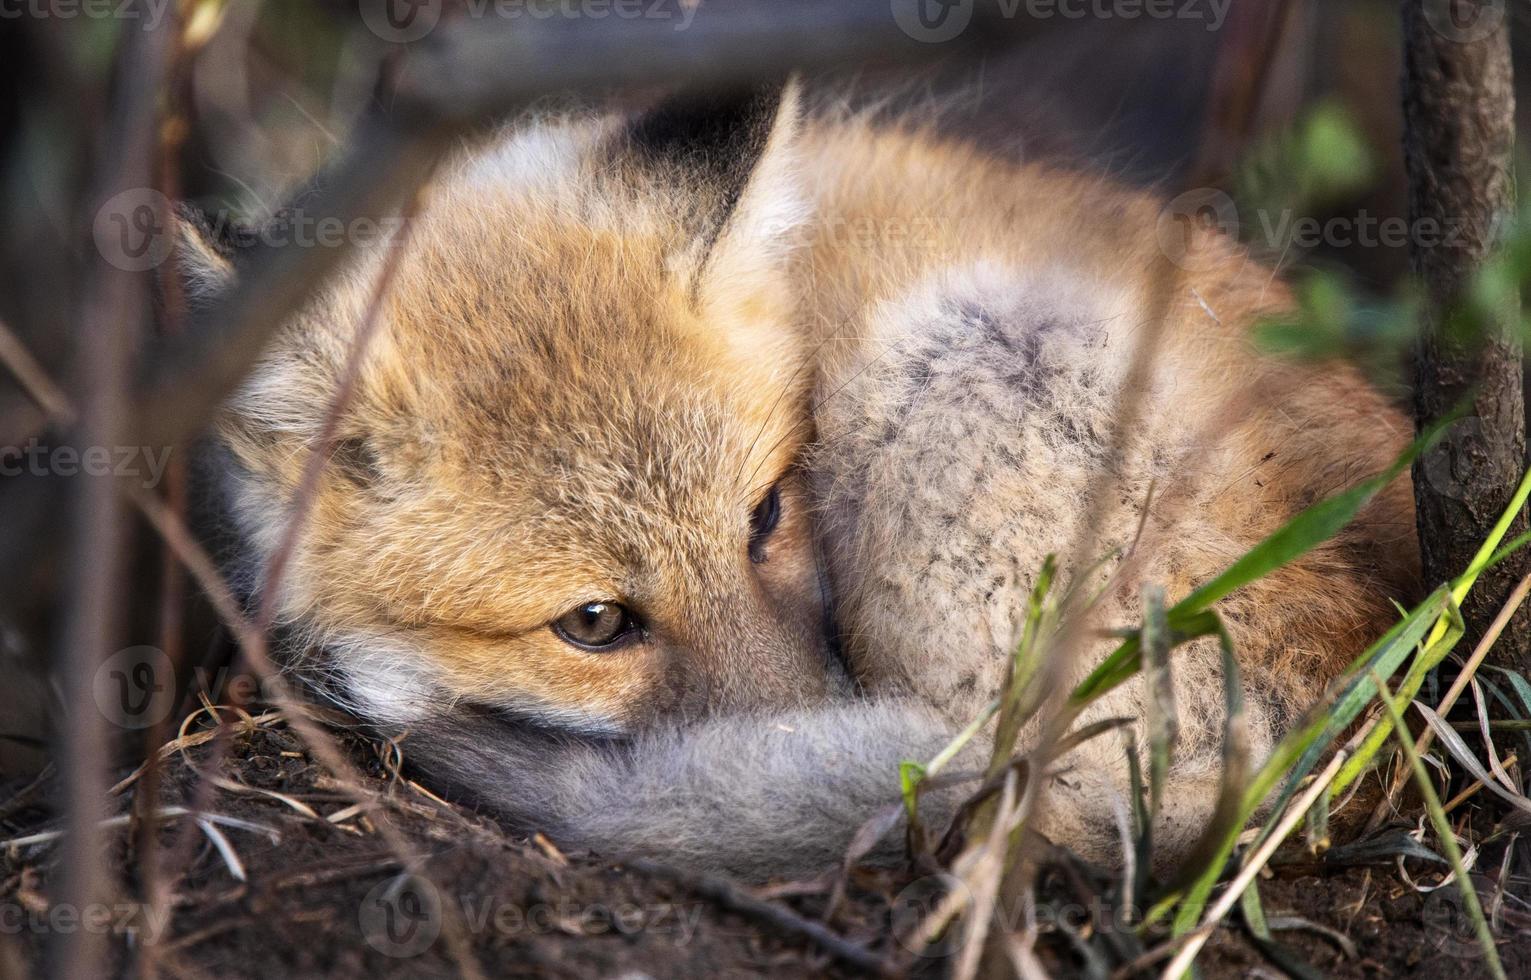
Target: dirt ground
1396,931
326,897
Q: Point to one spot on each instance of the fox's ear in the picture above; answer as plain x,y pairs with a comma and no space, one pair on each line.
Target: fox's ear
201,258
730,158
711,144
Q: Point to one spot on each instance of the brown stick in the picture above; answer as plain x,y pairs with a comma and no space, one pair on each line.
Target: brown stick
172,587
1459,115
115,306
34,380
252,644
500,64
1252,42
728,895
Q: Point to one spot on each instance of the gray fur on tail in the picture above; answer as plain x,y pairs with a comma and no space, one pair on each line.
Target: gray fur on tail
755,796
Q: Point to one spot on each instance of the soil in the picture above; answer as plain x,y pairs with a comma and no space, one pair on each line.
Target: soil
326,897
1396,930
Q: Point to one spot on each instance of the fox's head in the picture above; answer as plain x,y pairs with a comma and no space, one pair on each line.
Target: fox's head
565,488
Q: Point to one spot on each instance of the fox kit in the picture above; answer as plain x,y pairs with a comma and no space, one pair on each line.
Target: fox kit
705,460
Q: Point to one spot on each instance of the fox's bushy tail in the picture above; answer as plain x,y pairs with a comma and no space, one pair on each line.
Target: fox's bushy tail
753,796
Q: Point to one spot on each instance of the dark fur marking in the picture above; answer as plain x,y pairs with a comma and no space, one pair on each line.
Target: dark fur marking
357,461
716,138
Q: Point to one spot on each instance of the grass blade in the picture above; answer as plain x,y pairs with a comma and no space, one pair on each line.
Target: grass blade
1016,698
1228,816
1318,826
1486,552
1442,827
1464,755
1297,754
1161,720
1298,536
1257,859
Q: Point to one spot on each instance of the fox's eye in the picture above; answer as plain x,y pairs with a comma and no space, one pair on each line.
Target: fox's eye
762,522
597,626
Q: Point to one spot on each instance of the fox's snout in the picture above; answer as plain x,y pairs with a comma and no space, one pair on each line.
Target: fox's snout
750,650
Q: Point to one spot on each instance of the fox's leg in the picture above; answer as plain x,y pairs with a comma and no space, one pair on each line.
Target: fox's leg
958,450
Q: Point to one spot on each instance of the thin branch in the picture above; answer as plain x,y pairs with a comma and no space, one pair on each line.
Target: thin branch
501,64
252,639
731,897
187,376
115,305
34,379
252,636
323,746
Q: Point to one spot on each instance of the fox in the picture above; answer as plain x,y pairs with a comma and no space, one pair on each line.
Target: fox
707,455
